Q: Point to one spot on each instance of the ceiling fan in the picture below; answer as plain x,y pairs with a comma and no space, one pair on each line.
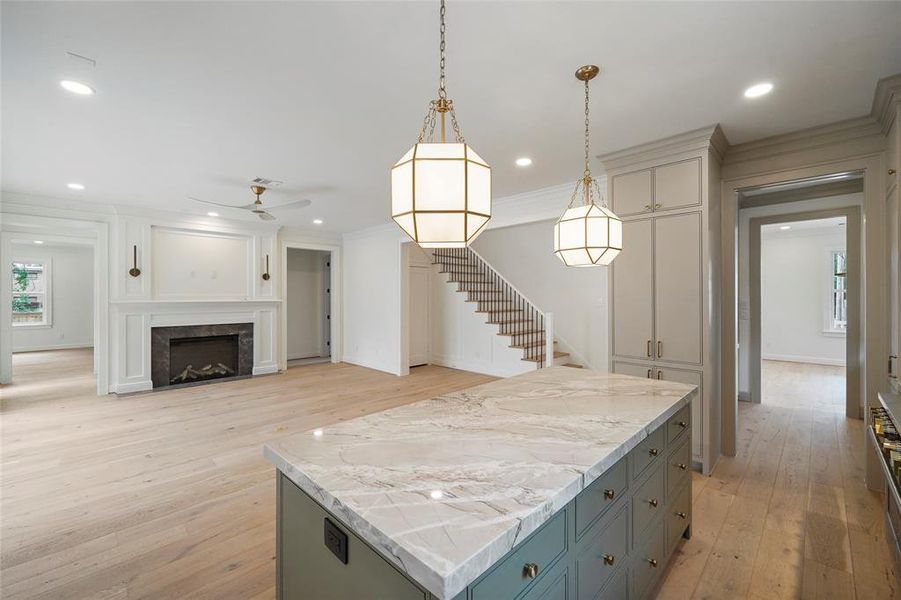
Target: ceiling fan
257,206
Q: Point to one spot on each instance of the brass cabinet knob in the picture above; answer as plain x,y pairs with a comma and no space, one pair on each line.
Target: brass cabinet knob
652,562
682,466
654,451
683,424
681,515
608,494
653,502
891,171
530,570
609,559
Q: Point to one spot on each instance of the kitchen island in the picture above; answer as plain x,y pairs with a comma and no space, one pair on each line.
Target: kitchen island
561,483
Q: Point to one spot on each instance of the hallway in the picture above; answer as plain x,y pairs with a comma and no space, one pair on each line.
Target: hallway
785,516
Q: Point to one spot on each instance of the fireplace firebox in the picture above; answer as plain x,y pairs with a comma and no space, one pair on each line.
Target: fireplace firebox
196,354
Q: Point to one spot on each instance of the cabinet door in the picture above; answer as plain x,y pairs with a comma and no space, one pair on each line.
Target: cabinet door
893,223
632,292
677,289
697,405
633,369
632,193
678,185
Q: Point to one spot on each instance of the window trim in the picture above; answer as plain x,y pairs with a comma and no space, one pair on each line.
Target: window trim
47,264
829,330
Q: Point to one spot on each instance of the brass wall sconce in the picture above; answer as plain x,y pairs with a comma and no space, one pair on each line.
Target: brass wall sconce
266,275
134,271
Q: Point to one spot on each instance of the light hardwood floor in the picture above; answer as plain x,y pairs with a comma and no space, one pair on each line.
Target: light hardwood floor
166,495
789,516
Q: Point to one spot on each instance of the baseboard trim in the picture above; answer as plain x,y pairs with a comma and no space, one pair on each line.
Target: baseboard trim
353,360
53,347
813,360
268,370
131,388
478,367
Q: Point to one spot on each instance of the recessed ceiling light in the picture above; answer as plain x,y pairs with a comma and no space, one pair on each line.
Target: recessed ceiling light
759,89
75,186
317,221
212,214
38,242
77,87
525,161
785,227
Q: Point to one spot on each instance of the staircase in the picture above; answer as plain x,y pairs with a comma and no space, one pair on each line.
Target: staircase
527,327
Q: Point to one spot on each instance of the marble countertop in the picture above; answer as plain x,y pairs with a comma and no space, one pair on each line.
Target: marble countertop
445,487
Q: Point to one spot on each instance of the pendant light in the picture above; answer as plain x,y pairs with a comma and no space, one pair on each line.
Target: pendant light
441,190
588,233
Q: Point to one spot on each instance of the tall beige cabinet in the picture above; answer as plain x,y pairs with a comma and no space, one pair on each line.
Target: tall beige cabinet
892,118
664,290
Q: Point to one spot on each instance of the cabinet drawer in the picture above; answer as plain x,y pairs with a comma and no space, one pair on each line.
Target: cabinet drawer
647,564
603,556
554,586
603,493
632,193
648,452
677,464
509,578
678,516
617,589
647,503
308,569
678,424
678,185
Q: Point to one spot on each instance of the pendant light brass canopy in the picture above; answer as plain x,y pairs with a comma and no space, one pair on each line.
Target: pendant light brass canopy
440,189
587,234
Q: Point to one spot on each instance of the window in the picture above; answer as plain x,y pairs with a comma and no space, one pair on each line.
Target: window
838,294
31,293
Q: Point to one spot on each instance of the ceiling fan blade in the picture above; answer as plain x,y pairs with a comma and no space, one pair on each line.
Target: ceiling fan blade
264,215
295,204
214,203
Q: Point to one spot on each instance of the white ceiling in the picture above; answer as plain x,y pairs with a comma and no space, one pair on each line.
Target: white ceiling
194,99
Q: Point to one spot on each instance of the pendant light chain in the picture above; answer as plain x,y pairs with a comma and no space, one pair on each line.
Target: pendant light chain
587,173
442,92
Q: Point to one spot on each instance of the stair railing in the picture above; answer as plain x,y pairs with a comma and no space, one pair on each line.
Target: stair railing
516,316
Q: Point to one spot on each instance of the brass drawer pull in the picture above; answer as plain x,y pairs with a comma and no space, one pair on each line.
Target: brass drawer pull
608,494
649,373
659,374
609,559
653,451
681,515
649,348
653,502
652,562
659,349
530,570
682,466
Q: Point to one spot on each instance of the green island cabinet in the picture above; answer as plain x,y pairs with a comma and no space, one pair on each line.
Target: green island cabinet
612,541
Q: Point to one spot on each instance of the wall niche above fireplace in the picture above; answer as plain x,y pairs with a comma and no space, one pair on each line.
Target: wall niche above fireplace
194,354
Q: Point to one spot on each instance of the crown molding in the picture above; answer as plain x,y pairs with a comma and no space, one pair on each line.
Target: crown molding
710,137
887,96
823,190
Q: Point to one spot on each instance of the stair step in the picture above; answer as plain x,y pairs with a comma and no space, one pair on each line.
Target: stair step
539,358
522,332
530,344
500,311
573,366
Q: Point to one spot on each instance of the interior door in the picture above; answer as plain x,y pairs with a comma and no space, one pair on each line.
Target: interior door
326,349
677,293
633,292
419,316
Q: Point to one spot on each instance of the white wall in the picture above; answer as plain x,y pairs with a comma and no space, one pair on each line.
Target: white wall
72,300
794,287
303,302
372,303
524,255
744,265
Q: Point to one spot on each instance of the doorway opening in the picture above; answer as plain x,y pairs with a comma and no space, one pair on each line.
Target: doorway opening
799,294
308,306
803,268
52,319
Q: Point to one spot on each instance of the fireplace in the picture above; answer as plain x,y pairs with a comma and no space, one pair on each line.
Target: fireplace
195,354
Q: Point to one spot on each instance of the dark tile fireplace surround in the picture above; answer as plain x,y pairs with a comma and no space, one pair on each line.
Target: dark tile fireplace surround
193,354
